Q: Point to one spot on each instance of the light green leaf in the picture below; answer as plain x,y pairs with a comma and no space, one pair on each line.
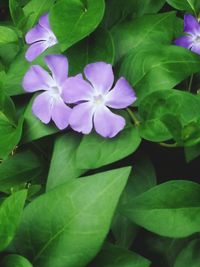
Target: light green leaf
67,225
186,5
15,261
7,35
170,209
10,215
72,20
95,151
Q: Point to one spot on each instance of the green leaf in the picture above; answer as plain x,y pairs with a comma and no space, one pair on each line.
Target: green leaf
15,261
183,105
141,179
97,47
72,20
186,5
16,12
163,68
67,225
189,256
63,163
113,256
159,210
33,127
146,31
95,151
7,35
34,9
10,215
192,152
18,169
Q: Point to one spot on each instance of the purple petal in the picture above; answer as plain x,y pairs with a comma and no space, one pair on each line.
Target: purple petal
42,107
76,89
81,118
44,22
100,75
106,123
60,114
191,24
35,50
36,78
184,41
36,34
58,64
121,96
196,48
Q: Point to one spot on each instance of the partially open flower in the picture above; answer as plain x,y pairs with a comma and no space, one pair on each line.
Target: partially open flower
95,97
49,104
40,38
192,38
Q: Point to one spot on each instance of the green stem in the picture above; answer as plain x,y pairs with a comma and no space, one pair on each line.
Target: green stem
190,83
133,117
169,145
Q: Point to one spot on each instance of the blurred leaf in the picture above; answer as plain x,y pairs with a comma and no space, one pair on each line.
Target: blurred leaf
67,225
159,210
95,151
113,256
189,256
15,261
192,152
7,35
186,5
16,12
63,163
10,215
72,20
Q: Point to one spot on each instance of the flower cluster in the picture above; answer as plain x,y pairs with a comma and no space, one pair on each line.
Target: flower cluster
76,101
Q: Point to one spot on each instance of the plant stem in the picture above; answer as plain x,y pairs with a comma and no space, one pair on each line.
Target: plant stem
190,83
169,145
133,117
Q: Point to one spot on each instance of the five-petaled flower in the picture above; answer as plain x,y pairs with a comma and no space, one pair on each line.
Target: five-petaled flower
192,39
94,97
49,104
40,37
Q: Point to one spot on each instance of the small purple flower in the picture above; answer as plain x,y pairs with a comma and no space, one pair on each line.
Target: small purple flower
49,104
95,97
40,37
192,39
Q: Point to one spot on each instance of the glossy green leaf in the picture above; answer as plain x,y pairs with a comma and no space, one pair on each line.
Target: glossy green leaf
169,209
10,215
72,20
95,151
162,69
15,261
189,256
186,5
20,168
67,225
7,35
113,256
63,163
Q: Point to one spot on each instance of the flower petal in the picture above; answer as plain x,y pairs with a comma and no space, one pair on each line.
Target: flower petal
106,123
121,96
44,22
81,118
58,64
196,48
36,34
42,107
35,50
184,41
191,25
36,78
60,114
76,89
100,75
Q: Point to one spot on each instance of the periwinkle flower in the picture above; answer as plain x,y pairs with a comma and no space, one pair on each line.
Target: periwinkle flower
40,38
49,104
192,38
94,97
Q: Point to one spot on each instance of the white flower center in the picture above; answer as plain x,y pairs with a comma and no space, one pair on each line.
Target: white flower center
55,90
197,39
52,40
98,100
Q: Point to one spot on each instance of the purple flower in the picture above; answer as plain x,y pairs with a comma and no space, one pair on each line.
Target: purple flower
192,39
49,104
40,37
95,97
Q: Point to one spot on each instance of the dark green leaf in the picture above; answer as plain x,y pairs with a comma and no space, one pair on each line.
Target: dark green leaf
15,261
